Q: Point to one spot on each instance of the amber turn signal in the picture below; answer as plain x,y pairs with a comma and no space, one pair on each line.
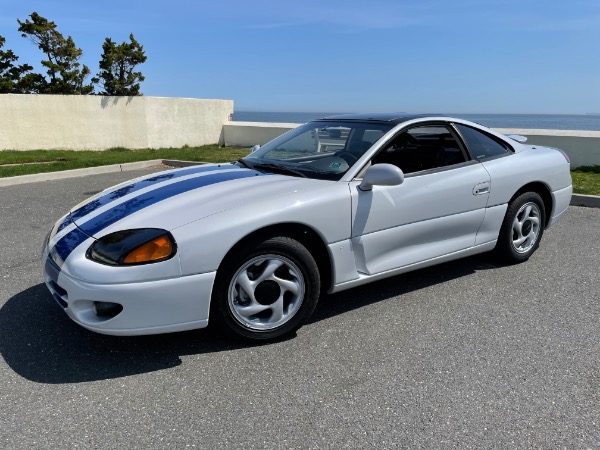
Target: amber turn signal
157,249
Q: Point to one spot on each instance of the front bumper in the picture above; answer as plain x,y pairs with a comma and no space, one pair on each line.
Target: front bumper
149,307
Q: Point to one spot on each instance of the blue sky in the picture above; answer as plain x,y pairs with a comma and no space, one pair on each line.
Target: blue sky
479,56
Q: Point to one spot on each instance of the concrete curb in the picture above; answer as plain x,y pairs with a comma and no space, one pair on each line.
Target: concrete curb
590,201
179,163
22,179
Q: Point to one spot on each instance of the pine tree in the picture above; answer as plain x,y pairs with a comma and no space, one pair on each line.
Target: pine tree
117,66
64,72
15,79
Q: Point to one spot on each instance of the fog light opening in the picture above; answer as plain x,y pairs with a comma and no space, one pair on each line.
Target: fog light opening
107,309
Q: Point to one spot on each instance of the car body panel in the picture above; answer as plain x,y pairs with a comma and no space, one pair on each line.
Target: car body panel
512,172
561,199
186,210
428,215
365,279
149,307
431,217
490,227
312,207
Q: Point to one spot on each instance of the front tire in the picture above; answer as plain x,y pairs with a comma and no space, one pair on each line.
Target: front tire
266,289
522,228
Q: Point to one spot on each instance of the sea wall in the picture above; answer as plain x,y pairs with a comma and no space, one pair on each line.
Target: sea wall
82,122
93,122
583,147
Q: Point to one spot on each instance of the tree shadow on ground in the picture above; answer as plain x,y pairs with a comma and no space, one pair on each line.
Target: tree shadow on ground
40,343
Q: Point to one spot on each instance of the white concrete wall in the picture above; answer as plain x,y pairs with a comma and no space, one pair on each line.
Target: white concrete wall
82,122
583,147
247,134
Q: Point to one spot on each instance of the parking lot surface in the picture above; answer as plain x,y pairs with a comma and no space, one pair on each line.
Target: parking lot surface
468,354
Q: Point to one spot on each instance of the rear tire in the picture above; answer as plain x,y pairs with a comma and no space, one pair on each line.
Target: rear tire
267,289
522,228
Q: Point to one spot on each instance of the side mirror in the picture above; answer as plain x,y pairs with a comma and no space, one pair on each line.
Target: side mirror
254,148
381,175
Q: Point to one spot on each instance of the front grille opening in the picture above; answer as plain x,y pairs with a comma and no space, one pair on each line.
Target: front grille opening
107,309
59,294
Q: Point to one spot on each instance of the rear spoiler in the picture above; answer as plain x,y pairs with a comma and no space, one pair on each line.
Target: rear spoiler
517,137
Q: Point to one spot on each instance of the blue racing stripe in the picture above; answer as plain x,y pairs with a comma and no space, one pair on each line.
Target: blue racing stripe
133,205
68,243
133,187
65,223
71,240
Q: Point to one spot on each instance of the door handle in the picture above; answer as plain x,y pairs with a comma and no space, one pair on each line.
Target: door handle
481,188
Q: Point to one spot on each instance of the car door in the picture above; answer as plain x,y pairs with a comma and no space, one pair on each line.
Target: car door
434,212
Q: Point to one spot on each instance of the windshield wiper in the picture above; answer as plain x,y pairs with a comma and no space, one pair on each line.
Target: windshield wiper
244,163
317,170
279,169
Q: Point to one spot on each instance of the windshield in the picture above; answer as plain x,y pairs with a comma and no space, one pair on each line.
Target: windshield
320,149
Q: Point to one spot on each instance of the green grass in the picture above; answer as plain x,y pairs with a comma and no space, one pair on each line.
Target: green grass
13,163
586,180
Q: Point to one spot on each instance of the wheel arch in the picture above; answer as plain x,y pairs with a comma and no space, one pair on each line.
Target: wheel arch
304,234
543,191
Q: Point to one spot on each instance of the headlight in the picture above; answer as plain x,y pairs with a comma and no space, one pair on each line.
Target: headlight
133,247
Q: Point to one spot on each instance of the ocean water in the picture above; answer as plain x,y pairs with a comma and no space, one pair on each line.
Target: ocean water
528,121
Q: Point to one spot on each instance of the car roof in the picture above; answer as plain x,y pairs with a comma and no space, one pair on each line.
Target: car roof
394,118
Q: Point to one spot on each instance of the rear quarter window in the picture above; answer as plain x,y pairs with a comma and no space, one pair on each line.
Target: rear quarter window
480,145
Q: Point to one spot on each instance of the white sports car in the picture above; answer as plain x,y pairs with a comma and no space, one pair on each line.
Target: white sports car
330,205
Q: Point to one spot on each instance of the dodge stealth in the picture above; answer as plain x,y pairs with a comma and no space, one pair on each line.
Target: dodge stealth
333,204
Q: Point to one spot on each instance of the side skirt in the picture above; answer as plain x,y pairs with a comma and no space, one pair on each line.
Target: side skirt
364,279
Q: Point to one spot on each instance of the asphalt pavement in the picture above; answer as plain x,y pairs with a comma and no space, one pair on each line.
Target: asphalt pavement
468,354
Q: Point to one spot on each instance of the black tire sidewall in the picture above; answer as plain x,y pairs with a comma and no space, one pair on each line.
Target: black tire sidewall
283,246
504,247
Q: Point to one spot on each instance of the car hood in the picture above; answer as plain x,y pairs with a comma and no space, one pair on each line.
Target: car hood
171,199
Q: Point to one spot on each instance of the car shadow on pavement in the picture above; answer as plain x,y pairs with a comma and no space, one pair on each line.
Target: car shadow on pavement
40,343
344,301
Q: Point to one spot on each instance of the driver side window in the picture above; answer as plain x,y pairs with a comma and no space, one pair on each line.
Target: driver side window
422,148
